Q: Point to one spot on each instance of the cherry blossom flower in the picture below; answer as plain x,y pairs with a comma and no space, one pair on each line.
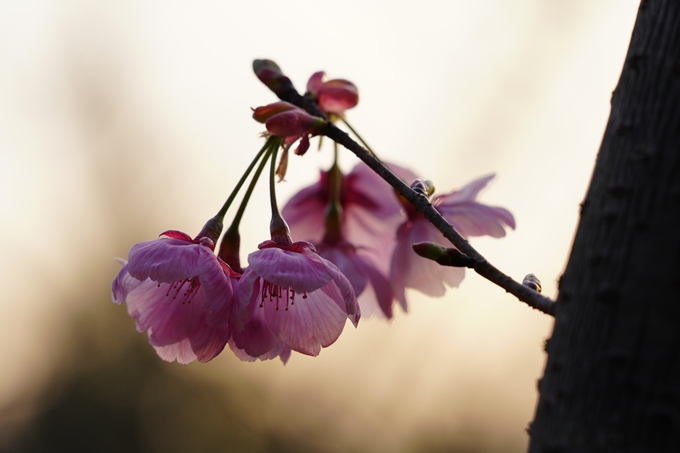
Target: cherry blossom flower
333,96
371,211
180,293
468,217
295,299
286,120
370,284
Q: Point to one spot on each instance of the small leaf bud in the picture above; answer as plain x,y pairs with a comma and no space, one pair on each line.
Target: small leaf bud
532,282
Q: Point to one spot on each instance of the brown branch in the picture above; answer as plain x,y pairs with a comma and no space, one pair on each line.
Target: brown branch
286,92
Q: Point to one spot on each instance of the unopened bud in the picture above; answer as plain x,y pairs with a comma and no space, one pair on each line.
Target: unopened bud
442,255
532,282
423,186
430,250
270,74
263,113
293,122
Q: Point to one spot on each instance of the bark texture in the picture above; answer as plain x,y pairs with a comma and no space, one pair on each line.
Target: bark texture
612,379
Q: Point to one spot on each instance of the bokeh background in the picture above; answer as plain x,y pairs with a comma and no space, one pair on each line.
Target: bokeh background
119,120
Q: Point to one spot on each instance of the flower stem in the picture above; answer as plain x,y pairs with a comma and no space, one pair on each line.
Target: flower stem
267,148
213,228
278,227
229,248
333,220
239,184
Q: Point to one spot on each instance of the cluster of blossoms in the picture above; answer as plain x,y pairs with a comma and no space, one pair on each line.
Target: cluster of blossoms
353,251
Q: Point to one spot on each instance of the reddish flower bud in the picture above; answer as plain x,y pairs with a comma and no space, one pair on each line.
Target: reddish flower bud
262,114
293,123
270,74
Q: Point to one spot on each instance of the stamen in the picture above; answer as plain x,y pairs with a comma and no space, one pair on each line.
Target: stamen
189,292
275,293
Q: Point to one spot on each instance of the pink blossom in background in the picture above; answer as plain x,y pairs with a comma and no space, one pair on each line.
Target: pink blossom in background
371,211
468,217
370,284
294,299
333,96
180,293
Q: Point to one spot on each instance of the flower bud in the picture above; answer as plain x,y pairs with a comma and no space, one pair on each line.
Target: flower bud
423,186
532,282
293,123
262,114
430,250
442,255
270,74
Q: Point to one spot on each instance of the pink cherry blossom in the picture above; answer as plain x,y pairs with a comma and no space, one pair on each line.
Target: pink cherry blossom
180,293
295,299
370,284
468,217
371,211
334,96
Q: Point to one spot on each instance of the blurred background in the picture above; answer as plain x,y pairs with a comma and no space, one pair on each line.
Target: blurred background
120,120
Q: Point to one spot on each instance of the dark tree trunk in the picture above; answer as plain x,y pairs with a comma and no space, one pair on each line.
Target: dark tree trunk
612,380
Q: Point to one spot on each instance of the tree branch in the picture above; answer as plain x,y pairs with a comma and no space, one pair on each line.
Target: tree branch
286,92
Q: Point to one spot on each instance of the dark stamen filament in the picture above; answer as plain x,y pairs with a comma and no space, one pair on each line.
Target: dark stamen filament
275,292
189,292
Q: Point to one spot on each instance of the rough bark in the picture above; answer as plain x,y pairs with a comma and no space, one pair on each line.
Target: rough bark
612,379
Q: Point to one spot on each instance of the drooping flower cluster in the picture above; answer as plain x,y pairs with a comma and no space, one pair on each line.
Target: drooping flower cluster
295,296
191,303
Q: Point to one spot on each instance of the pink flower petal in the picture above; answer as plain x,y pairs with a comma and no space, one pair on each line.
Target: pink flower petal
408,270
310,323
179,351
207,342
123,284
170,315
475,219
336,96
301,272
305,213
315,82
280,350
471,218
167,260
382,288
469,191
344,256
255,338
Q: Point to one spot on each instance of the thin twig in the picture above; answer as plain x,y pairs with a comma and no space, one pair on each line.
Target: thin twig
422,205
